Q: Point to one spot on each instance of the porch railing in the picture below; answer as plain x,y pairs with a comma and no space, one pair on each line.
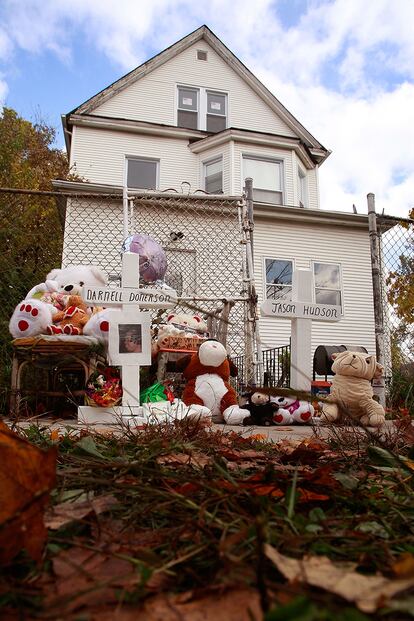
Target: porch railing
274,370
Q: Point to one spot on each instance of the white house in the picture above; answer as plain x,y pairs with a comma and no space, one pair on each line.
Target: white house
194,113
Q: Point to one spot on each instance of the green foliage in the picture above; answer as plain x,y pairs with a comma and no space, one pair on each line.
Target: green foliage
31,234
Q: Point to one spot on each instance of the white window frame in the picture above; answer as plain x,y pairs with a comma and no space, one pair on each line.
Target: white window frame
265,283
341,280
201,104
265,158
205,163
303,185
140,158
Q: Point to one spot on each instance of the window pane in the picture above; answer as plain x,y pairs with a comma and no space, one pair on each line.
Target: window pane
187,119
213,177
187,99
142,174
278,272
279,292
215,123
327,275
324,296
216,104
265,175
266,196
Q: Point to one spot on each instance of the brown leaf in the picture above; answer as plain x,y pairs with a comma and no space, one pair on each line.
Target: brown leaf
368,592
27,474
307,452
87,577
404,565
240,604
405,425
235,455
67,512
199,460
306,495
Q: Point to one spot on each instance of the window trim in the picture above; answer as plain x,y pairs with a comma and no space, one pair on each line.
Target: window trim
201,104
212,160
302,175
265,158
140,158
270,258
341,289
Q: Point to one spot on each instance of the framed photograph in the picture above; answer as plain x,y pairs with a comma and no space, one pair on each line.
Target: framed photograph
129,338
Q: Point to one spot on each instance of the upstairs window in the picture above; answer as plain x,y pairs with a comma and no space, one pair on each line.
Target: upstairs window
213,176
216,112
278,279
328,288
142,173
302,189
203,109
267,175
187,108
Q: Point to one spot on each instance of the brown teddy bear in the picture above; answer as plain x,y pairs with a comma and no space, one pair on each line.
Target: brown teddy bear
71,319
207,373
351,389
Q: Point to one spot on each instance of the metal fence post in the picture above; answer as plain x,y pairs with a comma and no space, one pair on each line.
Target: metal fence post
379,388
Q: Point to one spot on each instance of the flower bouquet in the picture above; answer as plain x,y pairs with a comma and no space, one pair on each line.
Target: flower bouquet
104,388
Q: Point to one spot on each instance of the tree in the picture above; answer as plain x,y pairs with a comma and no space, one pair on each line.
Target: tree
401,295
31,234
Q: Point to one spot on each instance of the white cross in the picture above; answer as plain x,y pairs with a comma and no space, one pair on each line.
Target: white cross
301,311
130,297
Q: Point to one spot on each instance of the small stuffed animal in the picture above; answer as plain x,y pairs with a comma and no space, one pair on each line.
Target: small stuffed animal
262,410
291,410
208,373
188,323
31,317
72,319
351,390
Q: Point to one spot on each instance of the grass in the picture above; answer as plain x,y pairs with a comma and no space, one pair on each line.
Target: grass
193,510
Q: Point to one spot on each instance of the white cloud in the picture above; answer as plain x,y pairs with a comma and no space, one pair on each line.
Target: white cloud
345,69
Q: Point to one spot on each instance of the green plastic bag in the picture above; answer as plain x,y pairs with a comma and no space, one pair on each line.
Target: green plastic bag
154,393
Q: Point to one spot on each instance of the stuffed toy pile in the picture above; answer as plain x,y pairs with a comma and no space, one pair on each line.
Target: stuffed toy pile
207,373
181,325
262,410
41,311
292,410
351,391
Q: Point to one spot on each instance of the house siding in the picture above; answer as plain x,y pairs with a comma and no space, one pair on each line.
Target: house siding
99,156
152,98
304,243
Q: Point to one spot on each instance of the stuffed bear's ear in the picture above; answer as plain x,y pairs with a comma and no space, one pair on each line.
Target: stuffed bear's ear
98,273
53,274
379,369
197,318
170,317
182,363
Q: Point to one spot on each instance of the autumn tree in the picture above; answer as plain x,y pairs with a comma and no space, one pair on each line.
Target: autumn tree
401,292
31,233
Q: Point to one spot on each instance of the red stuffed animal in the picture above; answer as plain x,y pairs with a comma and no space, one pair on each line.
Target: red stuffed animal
208,373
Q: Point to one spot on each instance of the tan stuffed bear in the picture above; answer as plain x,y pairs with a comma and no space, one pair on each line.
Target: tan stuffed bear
352,390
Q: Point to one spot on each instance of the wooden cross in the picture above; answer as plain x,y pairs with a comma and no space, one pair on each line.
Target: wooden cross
129,343
301,311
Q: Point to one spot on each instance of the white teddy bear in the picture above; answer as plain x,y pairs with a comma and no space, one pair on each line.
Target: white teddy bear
291,410
32,316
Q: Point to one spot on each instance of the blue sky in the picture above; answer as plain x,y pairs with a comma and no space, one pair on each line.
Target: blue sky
344,68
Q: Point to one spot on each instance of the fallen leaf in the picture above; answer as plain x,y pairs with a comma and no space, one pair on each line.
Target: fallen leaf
67,512
185,459
306,495
240,604
368,592
27,474
248,454
404,565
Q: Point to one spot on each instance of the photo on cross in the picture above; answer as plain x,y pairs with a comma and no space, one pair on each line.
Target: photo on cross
129,338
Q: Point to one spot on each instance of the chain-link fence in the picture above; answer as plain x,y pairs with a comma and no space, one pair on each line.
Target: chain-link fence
201,235
397,283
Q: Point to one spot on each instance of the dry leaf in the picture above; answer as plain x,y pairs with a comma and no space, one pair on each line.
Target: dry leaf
66,512
404,565
368,592
235,455
185,459
27,474
237,604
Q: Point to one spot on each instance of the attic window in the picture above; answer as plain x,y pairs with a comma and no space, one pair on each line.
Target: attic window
201,55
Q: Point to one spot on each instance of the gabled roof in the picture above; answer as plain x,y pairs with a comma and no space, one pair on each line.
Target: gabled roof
317,150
